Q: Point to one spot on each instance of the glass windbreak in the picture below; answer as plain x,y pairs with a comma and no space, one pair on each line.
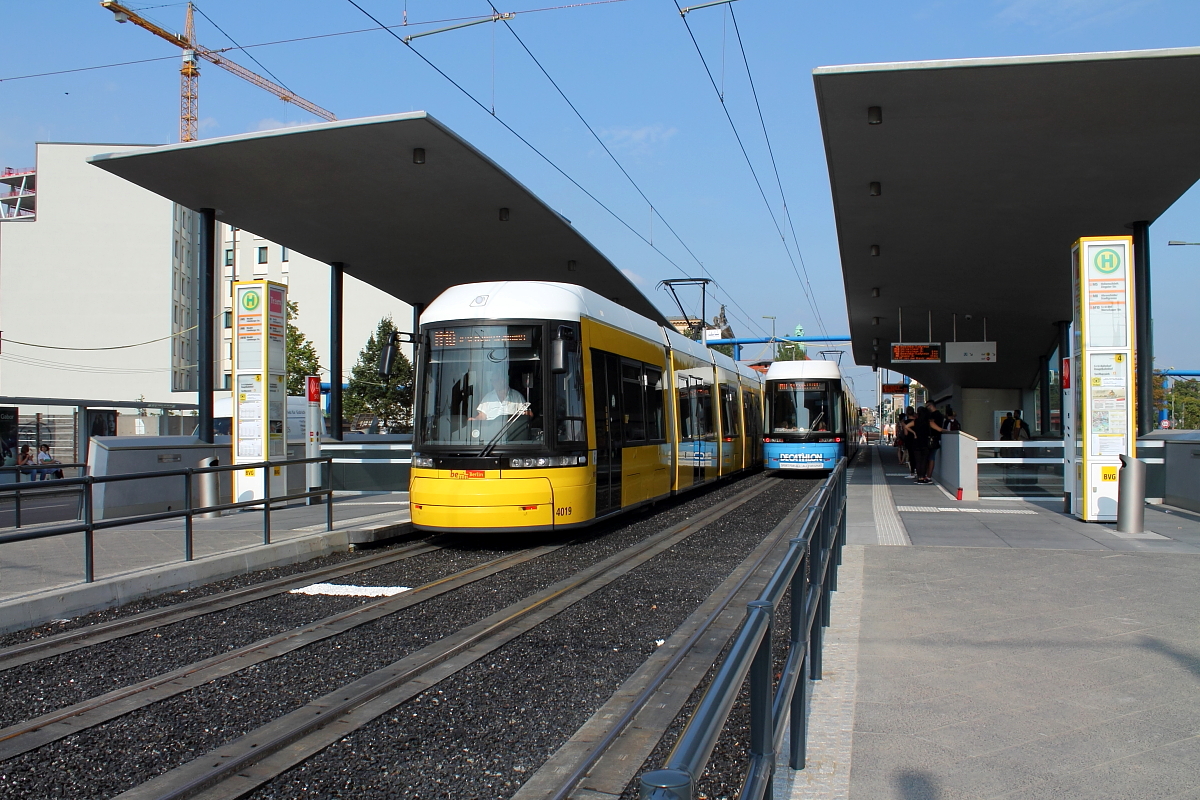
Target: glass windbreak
482,386
801,407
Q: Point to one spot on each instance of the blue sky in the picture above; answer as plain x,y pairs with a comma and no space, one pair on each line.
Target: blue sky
632,71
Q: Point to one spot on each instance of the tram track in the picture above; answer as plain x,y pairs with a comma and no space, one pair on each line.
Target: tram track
238,768
604,754
26,736
284,728
68,641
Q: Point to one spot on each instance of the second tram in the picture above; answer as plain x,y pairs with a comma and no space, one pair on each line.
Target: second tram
812,418
542,406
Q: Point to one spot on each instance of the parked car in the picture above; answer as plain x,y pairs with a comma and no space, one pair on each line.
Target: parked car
871,433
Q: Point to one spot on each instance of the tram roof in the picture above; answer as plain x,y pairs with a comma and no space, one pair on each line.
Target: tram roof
350,192
989,169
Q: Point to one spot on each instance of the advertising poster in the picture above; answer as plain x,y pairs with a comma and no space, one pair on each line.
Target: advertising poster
9,418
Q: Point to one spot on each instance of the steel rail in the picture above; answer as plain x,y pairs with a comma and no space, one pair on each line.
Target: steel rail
817,547
235,769
31,734
57,644
604,745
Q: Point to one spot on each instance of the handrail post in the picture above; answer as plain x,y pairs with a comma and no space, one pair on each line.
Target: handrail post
89,533
187,520
798,713
17,500
666,784
762,728
267,504
329,495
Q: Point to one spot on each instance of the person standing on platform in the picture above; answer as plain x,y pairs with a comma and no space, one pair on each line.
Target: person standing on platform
937,424
909,441
1020,428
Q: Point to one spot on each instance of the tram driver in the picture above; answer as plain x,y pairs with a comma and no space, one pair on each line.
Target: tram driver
501,401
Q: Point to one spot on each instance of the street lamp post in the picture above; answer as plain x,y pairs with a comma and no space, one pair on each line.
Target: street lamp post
774,346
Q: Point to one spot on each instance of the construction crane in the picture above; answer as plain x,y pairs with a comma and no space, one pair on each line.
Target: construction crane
189,73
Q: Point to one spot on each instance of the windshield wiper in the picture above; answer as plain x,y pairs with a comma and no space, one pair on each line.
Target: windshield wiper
487,450
815,422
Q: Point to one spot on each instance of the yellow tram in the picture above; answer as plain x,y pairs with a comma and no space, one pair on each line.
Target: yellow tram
542,406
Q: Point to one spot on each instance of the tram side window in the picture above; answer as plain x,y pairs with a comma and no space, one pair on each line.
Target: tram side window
654,405
633,402
750,409
695,406
568,402
729,412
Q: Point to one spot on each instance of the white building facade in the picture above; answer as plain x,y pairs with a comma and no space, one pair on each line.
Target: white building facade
106,271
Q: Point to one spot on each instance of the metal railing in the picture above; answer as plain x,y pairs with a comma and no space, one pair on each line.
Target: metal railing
88,525
810,570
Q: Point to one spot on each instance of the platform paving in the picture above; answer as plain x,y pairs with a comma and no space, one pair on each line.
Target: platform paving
42,579
1006,655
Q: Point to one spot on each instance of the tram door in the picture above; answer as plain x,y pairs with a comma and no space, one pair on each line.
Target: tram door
606,387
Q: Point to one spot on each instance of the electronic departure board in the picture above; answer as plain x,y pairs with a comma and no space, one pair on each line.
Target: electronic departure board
917,351
895,388
497,336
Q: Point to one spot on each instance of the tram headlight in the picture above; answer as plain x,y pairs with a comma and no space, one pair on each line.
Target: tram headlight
547,461
422,462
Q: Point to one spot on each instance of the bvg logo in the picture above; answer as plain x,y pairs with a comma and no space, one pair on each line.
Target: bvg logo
250,301
1107,261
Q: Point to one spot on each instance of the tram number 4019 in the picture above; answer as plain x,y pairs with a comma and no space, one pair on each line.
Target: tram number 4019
565,511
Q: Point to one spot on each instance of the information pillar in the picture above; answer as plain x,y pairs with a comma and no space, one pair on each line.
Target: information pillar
260,387
1103,378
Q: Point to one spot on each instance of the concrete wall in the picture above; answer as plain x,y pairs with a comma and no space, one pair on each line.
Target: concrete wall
95,268
92,270
956,466
979,405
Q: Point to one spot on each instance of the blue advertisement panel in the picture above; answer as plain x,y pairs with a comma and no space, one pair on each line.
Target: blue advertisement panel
784,455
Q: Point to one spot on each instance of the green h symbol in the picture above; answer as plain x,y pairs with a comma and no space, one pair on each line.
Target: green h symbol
1107,260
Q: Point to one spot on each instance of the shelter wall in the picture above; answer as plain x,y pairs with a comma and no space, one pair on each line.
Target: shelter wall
979,407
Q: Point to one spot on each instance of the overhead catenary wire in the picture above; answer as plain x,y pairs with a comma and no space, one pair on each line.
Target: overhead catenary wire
293,40
239,47
775,166
754,173
654,211
521,138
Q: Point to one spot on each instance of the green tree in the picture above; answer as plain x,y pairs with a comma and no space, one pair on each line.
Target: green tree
302,357
1183,403
793,351
390,400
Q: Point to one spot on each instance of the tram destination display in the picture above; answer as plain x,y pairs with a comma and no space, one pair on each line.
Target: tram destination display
917,351
492,336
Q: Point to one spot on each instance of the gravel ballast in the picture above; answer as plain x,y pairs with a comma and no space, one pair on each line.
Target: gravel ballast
547,682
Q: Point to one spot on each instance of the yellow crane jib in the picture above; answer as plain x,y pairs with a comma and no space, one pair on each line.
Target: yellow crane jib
189,73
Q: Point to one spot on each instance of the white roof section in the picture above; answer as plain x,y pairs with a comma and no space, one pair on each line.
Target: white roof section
351,191
803,370
535,300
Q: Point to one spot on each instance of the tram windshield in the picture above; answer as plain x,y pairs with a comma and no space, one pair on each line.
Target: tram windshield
482,386
803,407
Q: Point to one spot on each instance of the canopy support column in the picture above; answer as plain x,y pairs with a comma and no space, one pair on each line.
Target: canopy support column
206,324
336,275
1143,341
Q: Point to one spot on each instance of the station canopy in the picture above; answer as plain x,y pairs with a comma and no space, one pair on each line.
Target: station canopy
987,171
352,192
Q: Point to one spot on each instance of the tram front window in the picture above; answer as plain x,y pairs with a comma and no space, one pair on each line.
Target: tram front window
482,386
801,407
